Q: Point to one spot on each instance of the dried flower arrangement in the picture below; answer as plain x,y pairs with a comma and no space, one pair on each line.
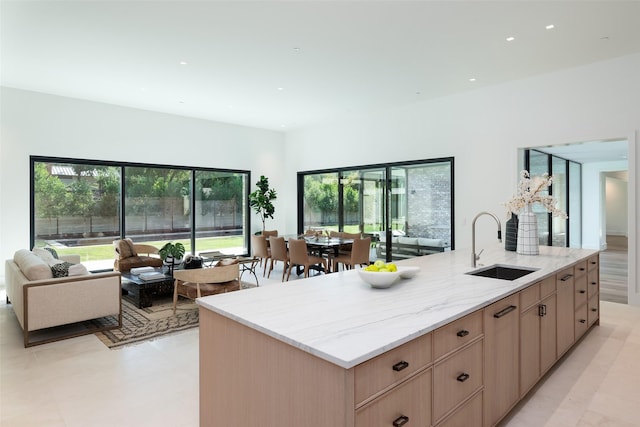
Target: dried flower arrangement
529,192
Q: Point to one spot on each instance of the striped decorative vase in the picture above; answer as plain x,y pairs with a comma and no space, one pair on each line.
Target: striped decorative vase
528,243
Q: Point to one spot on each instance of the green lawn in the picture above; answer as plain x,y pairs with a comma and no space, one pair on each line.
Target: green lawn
101,252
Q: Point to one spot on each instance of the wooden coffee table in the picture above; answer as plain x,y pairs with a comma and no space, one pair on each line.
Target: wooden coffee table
143,291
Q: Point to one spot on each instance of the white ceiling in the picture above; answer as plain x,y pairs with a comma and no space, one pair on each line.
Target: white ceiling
284,65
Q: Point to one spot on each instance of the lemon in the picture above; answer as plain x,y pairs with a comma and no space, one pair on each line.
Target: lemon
379,263
392,267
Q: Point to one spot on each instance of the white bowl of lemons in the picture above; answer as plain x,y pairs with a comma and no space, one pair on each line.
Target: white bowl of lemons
380,274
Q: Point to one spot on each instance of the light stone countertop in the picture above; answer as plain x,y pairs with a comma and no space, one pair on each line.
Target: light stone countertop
341,319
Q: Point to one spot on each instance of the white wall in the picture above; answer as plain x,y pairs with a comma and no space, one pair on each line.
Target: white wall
46,125
594,202
617,206
483,130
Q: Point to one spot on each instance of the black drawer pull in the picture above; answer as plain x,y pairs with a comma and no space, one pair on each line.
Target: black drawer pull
542,310
463,333
462,377
594,283
582,291
594,262
582,321
400,365
400,421
594,309
581,269
504,311
567,277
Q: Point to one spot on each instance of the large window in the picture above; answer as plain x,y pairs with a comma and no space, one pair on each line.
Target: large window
400,201
81,206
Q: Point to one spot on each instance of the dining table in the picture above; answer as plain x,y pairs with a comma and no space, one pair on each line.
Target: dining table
321,245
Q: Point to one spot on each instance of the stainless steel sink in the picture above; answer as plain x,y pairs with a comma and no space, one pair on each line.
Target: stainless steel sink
503,272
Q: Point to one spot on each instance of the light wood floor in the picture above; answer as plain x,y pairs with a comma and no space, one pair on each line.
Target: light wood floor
614,270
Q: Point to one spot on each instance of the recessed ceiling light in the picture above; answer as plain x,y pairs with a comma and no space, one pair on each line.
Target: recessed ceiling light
418,93
281,88
550,27
472,79
183,62
510,38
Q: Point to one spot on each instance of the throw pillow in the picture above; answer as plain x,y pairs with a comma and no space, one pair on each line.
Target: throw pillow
126,248
78,270
60,269
53,252
43,254
227,261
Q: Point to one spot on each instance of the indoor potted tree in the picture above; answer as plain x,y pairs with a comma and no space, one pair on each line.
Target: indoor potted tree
260,200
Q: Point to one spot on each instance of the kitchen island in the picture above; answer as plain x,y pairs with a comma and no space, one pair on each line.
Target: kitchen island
332,351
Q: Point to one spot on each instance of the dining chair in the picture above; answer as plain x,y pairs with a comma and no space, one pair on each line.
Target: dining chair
198,282
260,251
299,256
278,253
359,255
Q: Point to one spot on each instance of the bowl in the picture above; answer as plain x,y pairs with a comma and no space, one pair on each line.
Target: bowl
407,272
379,279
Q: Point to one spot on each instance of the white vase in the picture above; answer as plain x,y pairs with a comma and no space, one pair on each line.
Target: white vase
528,243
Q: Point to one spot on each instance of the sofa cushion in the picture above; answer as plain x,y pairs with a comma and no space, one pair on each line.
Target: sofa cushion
423,241
408,240
78,270
44,255
32,266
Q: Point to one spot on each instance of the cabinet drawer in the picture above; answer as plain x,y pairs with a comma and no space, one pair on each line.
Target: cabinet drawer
593,263
593,283
547,287
580,291
411,399
529,296
456,378
469,415
564,278
456,334
580,268
393,366
582,320
594,309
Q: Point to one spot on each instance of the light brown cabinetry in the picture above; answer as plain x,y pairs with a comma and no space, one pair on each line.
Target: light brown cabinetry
502,362
593,289
537,332
565,310
458,369
408,403
467,373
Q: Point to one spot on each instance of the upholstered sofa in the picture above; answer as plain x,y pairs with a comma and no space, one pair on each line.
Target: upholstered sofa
42,301
130,255
408,247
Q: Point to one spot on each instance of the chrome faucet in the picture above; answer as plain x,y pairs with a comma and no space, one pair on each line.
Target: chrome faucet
475,257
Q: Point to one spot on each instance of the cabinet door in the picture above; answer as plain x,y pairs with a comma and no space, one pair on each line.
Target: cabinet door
502,361
548,334
529,348
565,311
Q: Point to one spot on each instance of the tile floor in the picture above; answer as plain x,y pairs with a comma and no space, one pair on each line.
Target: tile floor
79,382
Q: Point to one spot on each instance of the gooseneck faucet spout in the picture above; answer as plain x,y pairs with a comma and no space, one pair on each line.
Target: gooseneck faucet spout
475,257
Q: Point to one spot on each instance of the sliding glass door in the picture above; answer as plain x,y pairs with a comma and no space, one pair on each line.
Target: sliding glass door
82,206
567,189
395,204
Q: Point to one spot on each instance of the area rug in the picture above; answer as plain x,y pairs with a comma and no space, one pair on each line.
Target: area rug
141,324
